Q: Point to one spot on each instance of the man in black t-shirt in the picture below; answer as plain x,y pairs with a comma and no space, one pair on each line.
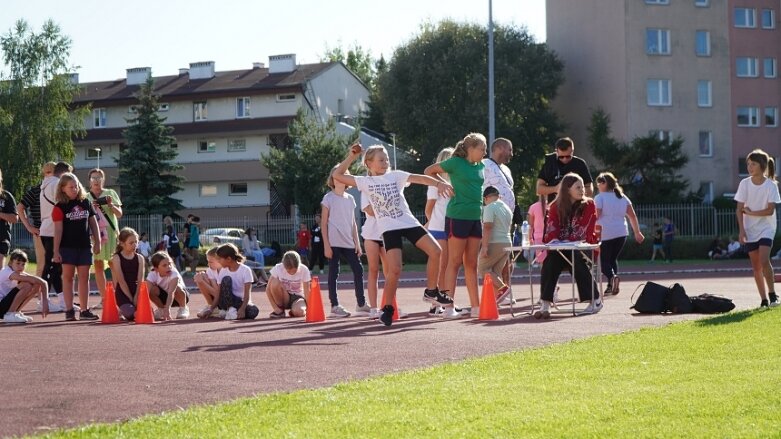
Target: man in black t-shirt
557,165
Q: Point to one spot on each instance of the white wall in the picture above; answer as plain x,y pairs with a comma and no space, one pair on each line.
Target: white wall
257,195
337,83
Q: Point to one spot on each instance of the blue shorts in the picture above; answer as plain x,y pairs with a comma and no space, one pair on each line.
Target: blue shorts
463,229
76,256
438,234
752,246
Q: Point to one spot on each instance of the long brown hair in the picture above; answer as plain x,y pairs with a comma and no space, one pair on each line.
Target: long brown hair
124,234
565,205
611,182
766,163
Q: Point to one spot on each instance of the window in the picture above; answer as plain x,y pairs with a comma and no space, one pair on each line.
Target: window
132,109
702,43
769,67
662,135
657,41
742,168
237,145
706,144
242,107
99,117
747,67
657,2
200,112
238,189
659,92
706,190
702,3
704,89
206,146
286,97
94,153
771,116
745,17
748,116
163,107
207,190
768,19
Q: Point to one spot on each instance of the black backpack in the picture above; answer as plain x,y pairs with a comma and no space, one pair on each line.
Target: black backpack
711,304
677,302
652,299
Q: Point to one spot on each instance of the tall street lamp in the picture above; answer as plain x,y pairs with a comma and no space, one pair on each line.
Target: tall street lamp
393,137
97,151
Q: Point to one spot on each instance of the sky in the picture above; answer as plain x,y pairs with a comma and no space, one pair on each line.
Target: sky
109,37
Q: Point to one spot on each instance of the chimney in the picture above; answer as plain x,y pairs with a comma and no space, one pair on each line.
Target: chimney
202,70
138,75
183,71
258,65
73,78
282,63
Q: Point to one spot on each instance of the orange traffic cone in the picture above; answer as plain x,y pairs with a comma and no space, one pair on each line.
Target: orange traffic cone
110,311
488,308
314,307
395,307
144,314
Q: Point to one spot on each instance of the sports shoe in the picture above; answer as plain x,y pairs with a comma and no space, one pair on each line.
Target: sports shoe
773,300
13,317
184,313
443,299
232,314
435,311
507,301
26,317
449,312
276,315
504,293
362,310
205,312
70,315
430,295
387,315
374,313
339,311
87,315
764,304
609,290
464,312
539,314
593,308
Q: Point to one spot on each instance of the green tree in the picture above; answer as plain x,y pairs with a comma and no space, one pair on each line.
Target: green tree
358,60
146,165
436,91
299,173
36,123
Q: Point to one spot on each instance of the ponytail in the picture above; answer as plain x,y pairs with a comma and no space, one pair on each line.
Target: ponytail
471,140
771,169
460,150
766,163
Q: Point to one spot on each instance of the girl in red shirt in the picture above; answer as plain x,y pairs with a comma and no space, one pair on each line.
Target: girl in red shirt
303,237
571,217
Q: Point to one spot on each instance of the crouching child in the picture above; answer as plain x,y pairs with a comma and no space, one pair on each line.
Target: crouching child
288,288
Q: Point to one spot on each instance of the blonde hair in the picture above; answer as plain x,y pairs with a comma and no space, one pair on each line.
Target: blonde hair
291,259
471,140
64,180
48,168
124,234
443,155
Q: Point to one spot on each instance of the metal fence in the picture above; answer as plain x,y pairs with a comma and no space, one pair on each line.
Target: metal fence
691,220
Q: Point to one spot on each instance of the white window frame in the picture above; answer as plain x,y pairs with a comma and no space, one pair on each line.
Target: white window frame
243,107
237,145
662,43
657,2
662,135
704,101
661,99
752,115
707,42
750,65
207,190
163,107
771,72
210,146
772,14
286,97
708,196
99,118
701,3
749,17
233,192
200,111
94,153
774,112
709,140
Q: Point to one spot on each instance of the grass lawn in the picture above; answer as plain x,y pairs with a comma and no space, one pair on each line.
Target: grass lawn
706,378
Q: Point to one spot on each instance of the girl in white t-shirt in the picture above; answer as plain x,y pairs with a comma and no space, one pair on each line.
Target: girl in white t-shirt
288,287
436,206
235,281
384,190
208,283
166,288
757,197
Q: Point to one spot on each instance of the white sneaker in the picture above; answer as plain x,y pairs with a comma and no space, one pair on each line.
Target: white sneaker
435,311
26,317
13,317
184,312
219,313
374,313
205,312
363,310
450,312
507,301
593,308
232,314
339,311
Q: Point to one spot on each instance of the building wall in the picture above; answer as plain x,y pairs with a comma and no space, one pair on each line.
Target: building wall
337,83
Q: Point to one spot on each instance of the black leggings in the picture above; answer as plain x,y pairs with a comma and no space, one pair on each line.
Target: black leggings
52,271
318,256
555,264
608,256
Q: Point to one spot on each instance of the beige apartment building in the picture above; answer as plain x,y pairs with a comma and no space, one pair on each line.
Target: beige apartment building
223,121
670,67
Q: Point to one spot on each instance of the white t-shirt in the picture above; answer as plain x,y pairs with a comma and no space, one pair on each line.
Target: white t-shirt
213,274
370,229
613,214
48,192
500,177
386,195
158,280
240,277
437,221
341,217
6,284
144,248
292,283
757,197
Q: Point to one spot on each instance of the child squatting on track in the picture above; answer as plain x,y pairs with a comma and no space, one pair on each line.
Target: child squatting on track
288,288
127,271
166,288
18,287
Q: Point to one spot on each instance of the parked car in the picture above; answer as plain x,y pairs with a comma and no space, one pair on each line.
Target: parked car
210,237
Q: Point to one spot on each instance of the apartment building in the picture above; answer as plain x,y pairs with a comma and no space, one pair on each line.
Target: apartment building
704,70
222,122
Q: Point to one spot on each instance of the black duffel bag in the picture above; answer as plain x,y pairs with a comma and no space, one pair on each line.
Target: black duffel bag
652,299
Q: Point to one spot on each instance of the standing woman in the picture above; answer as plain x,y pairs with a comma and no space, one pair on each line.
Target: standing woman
108,210
613,207
757,197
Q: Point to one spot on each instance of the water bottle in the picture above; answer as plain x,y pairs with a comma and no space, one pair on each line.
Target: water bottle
525,234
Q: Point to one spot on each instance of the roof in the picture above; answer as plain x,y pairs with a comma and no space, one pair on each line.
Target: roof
181,87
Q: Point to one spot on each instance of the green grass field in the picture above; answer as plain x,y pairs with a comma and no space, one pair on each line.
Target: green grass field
707,378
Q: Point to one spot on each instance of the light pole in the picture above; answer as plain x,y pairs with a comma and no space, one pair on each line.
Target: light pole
393,137
97,150
491,111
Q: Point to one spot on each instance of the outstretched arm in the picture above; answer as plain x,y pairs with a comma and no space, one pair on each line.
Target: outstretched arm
443,187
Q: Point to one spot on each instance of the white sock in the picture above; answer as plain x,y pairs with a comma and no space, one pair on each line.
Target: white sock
545,305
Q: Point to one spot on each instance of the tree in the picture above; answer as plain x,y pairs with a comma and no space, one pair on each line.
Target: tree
358,60
36,123
647,168
374,119
146,167
436,91
299,173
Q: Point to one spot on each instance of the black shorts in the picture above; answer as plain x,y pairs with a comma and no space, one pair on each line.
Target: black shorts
5,247
753,246
458,228
293,298
5,304
164,297
392,238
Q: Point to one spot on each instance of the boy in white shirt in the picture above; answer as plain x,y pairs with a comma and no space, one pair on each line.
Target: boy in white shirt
18,287
289,286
